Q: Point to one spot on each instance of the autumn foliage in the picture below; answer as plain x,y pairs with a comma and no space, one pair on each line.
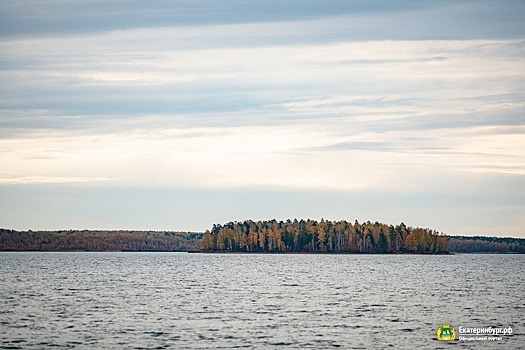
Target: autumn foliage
265,236
88,240
322,237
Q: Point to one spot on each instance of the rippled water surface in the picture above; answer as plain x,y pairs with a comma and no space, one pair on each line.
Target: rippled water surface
180,300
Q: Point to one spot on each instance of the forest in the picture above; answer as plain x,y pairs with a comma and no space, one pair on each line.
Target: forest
300,236
88,240
322,237
481,244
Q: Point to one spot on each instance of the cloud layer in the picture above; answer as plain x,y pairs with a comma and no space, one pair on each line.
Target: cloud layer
409,100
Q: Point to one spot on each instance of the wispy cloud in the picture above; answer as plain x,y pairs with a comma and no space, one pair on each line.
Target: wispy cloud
24,180
350,97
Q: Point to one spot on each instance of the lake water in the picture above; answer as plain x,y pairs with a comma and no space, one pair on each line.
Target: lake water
208,301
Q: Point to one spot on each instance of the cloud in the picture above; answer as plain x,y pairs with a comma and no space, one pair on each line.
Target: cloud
277,82
25,180
119,112
351,97
358,20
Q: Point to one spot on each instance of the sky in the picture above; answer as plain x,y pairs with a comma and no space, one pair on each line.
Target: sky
175,115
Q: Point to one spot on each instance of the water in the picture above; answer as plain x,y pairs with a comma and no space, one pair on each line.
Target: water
208,301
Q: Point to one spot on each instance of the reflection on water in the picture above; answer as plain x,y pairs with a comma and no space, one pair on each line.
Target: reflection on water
178,300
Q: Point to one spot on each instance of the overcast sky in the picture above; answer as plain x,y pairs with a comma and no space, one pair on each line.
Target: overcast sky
174,115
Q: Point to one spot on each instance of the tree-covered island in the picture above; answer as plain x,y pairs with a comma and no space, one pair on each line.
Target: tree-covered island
310,236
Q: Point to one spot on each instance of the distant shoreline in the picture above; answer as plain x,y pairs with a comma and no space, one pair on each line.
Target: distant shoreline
316,253
450,253
253,253
193,242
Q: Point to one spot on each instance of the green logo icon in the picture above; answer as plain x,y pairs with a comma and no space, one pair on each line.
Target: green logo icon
446,333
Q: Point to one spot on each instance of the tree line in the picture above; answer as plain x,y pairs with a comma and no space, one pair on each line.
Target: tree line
481,244
322,237
88,240
264,236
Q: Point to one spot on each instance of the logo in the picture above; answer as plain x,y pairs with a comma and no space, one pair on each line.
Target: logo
446,333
